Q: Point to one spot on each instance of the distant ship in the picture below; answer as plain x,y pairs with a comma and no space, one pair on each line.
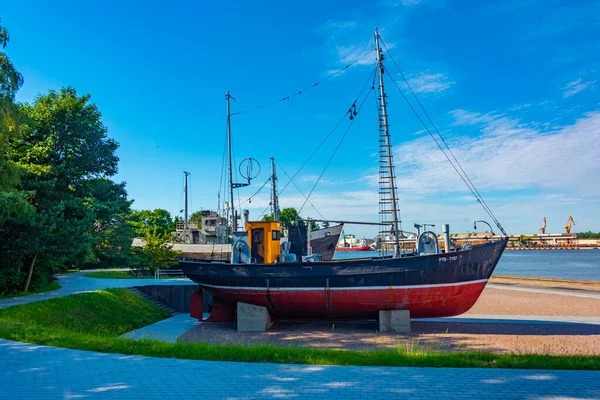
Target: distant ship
349,242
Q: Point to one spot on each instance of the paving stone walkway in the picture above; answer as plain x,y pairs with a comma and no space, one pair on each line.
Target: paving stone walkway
40,372
77,283
167,330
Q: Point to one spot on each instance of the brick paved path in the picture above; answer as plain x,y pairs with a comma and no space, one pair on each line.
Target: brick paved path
39,372
77,283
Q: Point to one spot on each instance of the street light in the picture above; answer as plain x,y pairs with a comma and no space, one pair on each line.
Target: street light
491,230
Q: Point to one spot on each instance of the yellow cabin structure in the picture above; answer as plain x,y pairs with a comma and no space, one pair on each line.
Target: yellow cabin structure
264,238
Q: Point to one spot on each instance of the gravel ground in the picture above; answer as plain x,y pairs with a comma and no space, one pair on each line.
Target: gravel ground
500,338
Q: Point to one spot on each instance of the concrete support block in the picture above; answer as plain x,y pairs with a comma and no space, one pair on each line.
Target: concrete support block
252,318
394,321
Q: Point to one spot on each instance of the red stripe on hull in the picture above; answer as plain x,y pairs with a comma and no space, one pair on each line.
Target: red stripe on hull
425,302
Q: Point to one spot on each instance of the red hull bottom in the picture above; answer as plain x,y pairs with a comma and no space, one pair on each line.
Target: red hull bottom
360,303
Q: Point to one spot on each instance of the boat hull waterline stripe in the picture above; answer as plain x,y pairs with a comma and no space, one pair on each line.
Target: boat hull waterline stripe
345,288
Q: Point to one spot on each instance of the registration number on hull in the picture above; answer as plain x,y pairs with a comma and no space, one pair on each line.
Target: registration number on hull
446,259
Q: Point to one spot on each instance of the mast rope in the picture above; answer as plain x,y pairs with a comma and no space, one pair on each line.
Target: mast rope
249,200
456,164
316,149
264,211
320,144
353,114
298,93
301,192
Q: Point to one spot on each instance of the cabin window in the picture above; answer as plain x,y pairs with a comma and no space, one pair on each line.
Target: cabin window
276,235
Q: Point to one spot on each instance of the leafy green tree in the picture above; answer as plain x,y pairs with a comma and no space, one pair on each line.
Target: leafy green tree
113,232
196,218
17,215
145,220
588,235
66,160
288,217
11,118
157,252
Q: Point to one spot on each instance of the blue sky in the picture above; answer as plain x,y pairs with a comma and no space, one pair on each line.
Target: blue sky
513,86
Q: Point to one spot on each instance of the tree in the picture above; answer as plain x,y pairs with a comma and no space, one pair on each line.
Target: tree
11,118
66,160
15,209
289,217
196,218
157,252
588,235
145,220
113,232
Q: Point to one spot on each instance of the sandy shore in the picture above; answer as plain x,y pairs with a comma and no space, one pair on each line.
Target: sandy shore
593,286
451,335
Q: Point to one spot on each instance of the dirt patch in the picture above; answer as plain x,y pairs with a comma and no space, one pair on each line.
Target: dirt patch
452,336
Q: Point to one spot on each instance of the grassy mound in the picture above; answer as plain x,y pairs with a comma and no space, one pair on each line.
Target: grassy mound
108,313
93,321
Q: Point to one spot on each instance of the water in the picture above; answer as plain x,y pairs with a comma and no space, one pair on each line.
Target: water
563,264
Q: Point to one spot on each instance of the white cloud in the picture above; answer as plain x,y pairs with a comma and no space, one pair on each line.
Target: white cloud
524,174
349,54
576,86
313,178
508,155
405,3
340,25
426,82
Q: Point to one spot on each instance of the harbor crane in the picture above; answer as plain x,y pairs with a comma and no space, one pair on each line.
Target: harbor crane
570,223
543,228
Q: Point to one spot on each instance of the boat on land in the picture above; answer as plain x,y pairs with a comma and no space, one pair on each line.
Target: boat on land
349,242
430,282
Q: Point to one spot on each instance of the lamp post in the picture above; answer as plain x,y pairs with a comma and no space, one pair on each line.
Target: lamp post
491,230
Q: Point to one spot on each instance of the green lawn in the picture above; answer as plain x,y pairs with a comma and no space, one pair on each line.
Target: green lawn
115,275
93,321
46,288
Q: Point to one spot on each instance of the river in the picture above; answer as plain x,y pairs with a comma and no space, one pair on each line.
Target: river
564,264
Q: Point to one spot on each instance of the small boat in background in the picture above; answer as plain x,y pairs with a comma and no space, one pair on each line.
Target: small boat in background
349,242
